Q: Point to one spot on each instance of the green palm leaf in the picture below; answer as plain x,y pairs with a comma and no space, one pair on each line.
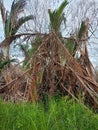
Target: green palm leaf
20,22
7,26
81,30
61,8
57,16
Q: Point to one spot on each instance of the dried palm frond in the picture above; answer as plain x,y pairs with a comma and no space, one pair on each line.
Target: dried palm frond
53,70
62,73
15,84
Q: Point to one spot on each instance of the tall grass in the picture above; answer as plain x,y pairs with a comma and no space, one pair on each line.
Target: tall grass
62,114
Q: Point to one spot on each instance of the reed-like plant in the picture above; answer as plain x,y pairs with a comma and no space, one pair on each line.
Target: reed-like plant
62,114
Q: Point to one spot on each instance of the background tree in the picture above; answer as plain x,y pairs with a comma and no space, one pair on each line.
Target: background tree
12,20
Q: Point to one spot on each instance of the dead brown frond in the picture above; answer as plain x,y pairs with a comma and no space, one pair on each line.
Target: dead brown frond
61,73
15,84
53,71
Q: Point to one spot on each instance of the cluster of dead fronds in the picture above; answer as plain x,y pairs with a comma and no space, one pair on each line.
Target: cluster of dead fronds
15,84
56,71
53,71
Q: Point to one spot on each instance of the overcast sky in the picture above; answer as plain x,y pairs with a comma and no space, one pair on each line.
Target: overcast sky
93,54
7,4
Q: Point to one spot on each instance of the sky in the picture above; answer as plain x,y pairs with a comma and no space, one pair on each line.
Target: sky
93,48
7,4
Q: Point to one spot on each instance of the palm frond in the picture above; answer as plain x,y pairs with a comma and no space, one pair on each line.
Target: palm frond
57,16
12,21
52,18
20,22
7,26
81,30
17,6
60,14
70,45
61,8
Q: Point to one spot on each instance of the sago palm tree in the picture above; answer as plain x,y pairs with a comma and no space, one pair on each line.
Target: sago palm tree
57,17
12,21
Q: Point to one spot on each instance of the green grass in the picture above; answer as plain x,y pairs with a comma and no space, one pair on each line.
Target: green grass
62,114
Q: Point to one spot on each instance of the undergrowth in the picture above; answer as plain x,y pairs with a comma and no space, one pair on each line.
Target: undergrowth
62,114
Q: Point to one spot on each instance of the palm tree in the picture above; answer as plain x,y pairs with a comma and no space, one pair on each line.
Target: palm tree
12,21
57,17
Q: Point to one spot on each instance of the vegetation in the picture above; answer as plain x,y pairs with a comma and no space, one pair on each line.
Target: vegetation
29,49
51,68
12,21
57,17
61,114
5,62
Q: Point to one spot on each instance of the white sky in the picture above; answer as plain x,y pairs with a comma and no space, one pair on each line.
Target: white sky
7,4
93,54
